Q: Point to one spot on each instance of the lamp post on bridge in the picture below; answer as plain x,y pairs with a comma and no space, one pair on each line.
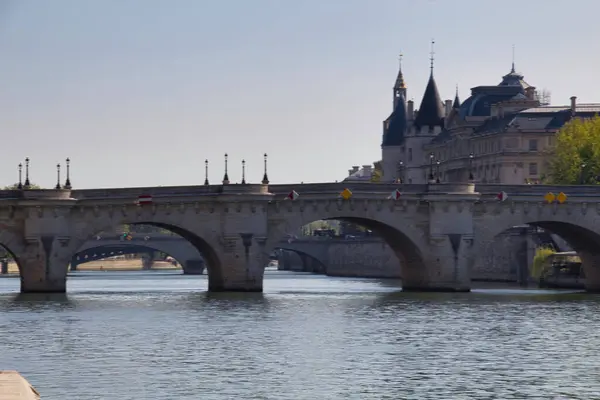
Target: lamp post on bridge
581,174
265,180
431,178
471,177
400,171
226,176
27,184
20,168
57,187
206,172
243,172
437,171
68,180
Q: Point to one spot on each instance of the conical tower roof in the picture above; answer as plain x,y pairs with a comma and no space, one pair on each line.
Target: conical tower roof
431,111
396,124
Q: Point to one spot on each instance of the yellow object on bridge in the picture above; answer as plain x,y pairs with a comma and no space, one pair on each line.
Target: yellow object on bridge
346,194
550,197
561,198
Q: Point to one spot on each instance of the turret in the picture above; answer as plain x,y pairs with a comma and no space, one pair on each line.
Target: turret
394,131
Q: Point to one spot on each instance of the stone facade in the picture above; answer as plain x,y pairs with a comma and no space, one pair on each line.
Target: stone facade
439,232
499,134
509,259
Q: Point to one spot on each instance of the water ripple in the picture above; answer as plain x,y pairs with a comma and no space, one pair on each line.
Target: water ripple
305,338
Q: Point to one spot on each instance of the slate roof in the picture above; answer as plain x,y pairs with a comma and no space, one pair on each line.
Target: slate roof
545,118
479,104
513,78
431,111
396,124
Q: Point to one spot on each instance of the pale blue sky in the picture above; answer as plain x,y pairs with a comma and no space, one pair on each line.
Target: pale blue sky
140,92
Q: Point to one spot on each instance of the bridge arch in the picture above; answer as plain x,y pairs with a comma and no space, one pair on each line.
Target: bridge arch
203,240
317,263
13,244
181,250
405,231
581,230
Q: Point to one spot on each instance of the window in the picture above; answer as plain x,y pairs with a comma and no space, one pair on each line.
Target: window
533,145
410,154
533,169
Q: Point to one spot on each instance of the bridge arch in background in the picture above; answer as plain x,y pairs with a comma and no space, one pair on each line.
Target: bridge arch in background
402,231
202,242
580,231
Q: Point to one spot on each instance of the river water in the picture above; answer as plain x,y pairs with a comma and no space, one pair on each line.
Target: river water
159,335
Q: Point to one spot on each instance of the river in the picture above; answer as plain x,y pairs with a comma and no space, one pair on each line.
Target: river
159,335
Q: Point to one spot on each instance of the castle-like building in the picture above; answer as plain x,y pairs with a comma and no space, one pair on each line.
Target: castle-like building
500,134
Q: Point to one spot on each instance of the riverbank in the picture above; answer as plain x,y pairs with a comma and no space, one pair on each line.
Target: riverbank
110,265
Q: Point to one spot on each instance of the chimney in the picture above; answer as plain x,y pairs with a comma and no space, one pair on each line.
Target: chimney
448,106
573,104
354,169
367,169
410,109
530,93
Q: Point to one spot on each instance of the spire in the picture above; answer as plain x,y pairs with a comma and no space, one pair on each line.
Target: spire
456,103
399,85
512,70
431,55
400,78
396,124
431,111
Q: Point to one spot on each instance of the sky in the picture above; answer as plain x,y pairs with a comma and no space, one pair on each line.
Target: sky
141,92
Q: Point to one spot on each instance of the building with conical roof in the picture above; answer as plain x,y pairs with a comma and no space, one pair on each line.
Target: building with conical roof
499,134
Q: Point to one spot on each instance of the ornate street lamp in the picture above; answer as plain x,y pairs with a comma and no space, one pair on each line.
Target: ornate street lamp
206,172
437,171
400,170
27,184
20,185
57,187
471,178
243,172
581,174
68,180
226,176
431,167
265,180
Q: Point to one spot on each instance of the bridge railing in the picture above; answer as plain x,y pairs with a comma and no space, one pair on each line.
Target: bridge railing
338,187
538,190
167,191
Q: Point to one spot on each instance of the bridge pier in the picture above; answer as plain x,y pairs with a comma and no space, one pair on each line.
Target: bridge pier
37,277
591,268
4,266
193,267
242,267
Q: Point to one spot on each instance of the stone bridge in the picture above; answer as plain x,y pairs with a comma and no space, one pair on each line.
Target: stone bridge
439,231
110,245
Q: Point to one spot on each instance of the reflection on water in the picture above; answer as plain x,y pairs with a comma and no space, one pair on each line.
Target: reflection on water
160,335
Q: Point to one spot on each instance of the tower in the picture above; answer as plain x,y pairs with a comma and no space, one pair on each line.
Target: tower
428,123
394,132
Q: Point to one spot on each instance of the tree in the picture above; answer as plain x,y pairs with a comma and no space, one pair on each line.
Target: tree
15,186
575,159
377,172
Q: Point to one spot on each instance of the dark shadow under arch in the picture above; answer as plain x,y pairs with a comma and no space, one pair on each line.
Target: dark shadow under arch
583,241
213,263
406,250
4,248
318,268
411,261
